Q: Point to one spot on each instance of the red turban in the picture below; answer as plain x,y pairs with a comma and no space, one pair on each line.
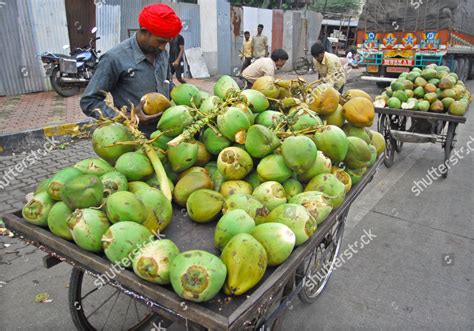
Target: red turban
160,20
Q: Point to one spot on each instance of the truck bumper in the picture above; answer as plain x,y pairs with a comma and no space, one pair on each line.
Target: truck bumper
378,79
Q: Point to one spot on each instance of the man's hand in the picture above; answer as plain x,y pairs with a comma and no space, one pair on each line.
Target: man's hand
142,117
175,63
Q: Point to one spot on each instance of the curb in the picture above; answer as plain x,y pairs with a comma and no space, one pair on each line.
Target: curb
29,139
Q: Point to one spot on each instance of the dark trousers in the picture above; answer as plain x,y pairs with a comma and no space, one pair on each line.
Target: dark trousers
179,70
246,63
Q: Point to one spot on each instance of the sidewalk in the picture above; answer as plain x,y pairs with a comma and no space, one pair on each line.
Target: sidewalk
39,110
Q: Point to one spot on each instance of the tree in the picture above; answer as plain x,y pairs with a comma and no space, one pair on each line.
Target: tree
336,6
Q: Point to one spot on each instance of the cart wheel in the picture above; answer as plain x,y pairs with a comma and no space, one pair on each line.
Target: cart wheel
383,126
449,144
319,265
106,307
401,127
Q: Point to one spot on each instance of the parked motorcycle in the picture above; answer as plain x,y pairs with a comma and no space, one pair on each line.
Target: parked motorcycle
68,73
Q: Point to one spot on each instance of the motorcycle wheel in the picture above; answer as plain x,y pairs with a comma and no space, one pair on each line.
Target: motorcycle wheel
61,89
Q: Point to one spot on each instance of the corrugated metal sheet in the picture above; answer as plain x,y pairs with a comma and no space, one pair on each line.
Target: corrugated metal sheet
108,24
49,37
189,14
236,38
129,16
277,29
20,68
223,37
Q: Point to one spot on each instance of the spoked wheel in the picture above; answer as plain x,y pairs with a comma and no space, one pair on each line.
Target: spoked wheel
301,66
383,126
105,308
60,88
449,144
401,122
319,265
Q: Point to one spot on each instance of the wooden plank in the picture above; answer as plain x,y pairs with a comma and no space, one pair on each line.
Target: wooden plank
421,114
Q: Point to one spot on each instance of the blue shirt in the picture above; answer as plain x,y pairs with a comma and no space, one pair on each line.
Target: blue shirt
125,72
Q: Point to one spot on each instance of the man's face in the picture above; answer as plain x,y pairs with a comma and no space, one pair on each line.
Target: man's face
154,44
280,63
259,30
247,36
320,57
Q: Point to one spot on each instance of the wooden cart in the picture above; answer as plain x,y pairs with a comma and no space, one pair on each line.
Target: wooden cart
93,286
393,125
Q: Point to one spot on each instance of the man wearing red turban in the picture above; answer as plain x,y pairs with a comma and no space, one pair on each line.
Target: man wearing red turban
136,66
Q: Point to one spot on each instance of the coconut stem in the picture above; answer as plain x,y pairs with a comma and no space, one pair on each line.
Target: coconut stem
159,171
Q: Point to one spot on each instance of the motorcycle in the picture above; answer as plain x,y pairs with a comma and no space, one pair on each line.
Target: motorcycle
68,73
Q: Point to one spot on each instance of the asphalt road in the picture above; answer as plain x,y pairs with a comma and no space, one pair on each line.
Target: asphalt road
415,273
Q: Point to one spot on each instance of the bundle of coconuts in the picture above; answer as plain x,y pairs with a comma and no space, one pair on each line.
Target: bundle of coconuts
266,165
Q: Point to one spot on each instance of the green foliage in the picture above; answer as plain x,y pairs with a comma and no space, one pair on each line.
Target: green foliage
336,6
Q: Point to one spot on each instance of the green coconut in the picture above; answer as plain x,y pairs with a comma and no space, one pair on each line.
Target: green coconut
266,85
186,95
235,186
274,168
234,163
123,240
330,185
114,181
253,179
230,224
57,220
125,207
269,118
292,187
246,262
42,186
197,275
210,104
256,100
190,183
94,166
136,186
321,165
224,86
297,218
300,119
203,156
299,153
161,140
153,261
249,204
59,179
335,118
316,203
214,142
134,166
271,194
174,120
352,131
37,209
87,227
233,124
261,141
105,139
332,141
182,156
204,205
158,209
82,192
277,239
358,153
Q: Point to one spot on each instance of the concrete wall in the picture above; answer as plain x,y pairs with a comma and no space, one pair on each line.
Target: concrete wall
208,16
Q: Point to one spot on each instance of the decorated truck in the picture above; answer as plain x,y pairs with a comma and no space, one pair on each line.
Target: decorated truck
395,36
